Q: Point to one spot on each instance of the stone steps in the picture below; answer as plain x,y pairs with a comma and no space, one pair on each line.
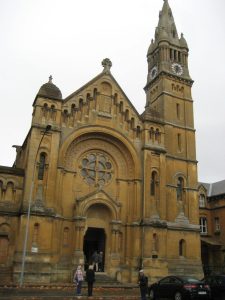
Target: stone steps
5,275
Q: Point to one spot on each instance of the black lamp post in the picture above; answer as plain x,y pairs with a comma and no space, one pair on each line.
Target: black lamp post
47,128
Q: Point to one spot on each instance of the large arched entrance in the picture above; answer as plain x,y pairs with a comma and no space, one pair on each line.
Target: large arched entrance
94,241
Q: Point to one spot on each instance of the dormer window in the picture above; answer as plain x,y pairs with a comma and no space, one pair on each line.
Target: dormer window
202,200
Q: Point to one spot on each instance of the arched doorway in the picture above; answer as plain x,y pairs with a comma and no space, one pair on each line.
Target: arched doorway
94,240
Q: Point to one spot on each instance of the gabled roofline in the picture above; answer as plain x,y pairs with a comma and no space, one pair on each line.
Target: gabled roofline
95,79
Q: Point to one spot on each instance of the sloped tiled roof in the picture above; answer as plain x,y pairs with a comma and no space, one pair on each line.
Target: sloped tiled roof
214,189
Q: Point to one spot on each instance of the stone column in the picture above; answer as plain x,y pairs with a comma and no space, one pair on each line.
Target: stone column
78,256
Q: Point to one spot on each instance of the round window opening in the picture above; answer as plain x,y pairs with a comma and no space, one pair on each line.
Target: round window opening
96,169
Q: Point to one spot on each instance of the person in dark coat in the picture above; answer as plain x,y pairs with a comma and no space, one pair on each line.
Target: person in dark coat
143,284
90,278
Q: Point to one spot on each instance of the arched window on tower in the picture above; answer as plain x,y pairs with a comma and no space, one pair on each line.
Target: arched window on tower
53,112
153,189
152,134
180,188
41,169
157,136
45,110
182,248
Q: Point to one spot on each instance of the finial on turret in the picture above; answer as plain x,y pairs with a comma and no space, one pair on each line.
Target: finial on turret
107,64
50,79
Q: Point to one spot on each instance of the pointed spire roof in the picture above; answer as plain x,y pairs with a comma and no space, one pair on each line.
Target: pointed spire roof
166,28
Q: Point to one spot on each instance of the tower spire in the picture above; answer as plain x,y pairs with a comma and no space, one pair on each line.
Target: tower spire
167,53
166,26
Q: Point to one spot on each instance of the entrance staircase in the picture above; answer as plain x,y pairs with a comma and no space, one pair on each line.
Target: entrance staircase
102,279
105,288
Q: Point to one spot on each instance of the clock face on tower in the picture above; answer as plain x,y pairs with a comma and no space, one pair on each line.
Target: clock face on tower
153,72
177,69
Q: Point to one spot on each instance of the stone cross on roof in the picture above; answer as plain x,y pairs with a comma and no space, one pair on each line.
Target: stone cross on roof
107,64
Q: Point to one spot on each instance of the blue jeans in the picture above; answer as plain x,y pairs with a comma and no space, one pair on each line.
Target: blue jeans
79,286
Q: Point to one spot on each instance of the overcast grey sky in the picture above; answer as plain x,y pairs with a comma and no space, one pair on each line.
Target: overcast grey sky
68,39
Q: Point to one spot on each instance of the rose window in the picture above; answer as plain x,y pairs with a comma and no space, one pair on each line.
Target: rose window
96,169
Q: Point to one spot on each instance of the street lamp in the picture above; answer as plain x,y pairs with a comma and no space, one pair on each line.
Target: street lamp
48,127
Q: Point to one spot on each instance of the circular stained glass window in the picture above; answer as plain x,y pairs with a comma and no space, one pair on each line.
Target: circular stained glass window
96,169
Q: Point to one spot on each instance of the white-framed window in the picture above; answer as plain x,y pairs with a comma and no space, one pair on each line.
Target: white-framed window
201,200
203,225
217,224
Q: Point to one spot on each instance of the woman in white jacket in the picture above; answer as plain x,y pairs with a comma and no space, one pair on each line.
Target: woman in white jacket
78,279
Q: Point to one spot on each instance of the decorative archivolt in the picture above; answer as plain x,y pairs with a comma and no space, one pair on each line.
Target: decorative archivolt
116,151
98,198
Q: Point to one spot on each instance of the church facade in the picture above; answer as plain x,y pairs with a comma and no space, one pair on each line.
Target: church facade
95,175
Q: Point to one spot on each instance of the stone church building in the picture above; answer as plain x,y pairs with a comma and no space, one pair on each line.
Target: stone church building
95,175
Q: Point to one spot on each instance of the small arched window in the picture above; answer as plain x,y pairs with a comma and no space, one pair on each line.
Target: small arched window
151,133
157,135
182,248
153,183
41,166
138,131
180,188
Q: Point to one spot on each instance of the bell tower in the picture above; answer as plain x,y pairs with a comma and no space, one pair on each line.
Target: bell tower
168,88
171,166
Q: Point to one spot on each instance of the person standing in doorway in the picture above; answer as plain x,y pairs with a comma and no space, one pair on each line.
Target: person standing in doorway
143,284
78,280
90,278
100,262
95,258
